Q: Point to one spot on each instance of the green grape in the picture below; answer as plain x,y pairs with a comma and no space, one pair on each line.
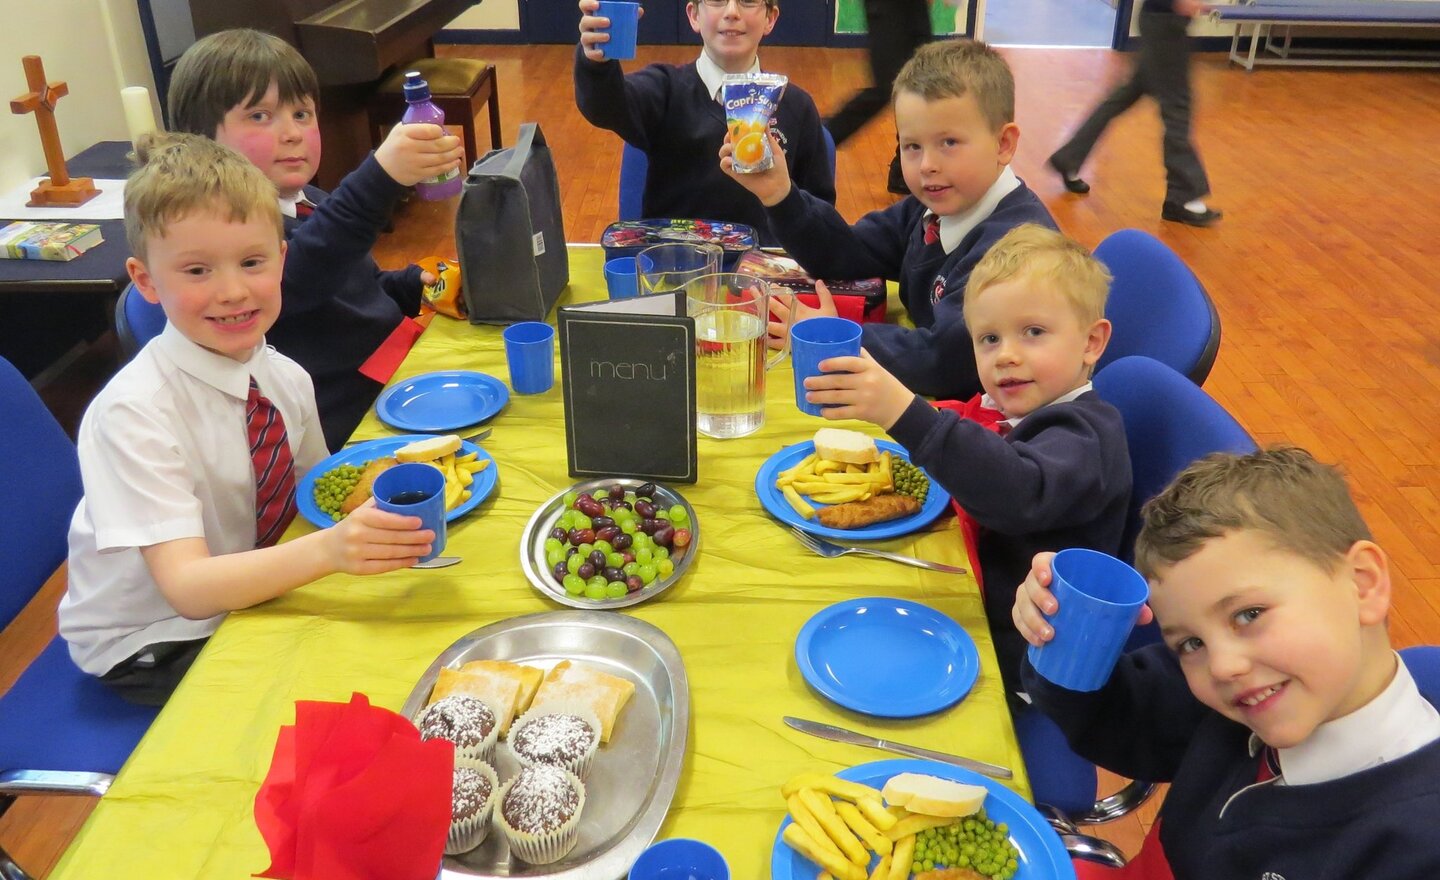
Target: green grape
678,515
554,557
569,499
573,564
630,568
647,572
644,556
615,590
604,547
596,581
554,544
614,560
595,591
661,552
663,567
628,526
574,585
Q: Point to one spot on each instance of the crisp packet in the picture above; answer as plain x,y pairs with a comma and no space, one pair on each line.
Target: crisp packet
750,100
444,296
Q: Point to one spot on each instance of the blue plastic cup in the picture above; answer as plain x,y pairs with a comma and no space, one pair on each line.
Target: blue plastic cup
680,859
814,340
415,489
620,277
1099,598
530,352
624,22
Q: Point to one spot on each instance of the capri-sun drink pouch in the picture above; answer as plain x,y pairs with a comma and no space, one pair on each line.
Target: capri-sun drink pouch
750,100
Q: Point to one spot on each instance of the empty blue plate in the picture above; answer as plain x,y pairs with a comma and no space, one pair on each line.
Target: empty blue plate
887,657
442,401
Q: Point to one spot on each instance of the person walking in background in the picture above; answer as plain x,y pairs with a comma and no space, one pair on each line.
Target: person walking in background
895,29
1162,72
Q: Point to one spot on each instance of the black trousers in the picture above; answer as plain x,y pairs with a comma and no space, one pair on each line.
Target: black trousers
150,676
1162,72
896,28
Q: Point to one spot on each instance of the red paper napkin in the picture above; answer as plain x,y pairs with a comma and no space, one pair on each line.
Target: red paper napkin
993,419
353,794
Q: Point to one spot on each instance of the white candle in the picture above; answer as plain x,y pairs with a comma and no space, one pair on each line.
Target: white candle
139,115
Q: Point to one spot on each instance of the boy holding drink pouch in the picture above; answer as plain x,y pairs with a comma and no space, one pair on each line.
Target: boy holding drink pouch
191,454
1054,470
1294,738
674,114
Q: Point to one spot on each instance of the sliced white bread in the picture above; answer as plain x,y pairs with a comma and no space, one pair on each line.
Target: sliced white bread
850,447
933,796
429,449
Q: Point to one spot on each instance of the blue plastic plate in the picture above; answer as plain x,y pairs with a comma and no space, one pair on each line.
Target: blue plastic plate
443,401
887,657
1042,856
368,451
936,500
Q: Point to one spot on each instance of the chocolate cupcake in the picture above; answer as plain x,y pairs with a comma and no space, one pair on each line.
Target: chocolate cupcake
539,813
562,734
472,803
464,721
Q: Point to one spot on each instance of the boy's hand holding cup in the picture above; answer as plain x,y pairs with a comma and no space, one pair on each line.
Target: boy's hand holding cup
608,29
372,541
1076,609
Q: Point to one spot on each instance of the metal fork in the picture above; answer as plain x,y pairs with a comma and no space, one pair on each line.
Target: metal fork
831,550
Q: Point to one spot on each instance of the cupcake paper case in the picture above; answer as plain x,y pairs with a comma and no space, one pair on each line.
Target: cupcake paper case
468,832
463,721
541,800
555,742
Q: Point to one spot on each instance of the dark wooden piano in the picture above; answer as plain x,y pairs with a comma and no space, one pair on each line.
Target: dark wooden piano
352,44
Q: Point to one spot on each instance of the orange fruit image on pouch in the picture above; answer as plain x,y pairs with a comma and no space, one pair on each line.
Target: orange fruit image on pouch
750,149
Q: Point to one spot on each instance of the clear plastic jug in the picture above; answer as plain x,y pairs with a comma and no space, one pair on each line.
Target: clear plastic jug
731,315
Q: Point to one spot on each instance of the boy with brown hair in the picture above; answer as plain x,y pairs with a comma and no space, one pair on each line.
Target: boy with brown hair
191,454
1301,746
1055,471
673,113
955,115
345,321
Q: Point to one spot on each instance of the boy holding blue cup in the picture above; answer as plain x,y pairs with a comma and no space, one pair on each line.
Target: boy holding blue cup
1295,741
1039,461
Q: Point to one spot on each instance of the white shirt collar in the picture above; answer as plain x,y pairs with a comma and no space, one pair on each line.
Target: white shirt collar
287,206
217,370
989,402
713,76
954,227
1394,724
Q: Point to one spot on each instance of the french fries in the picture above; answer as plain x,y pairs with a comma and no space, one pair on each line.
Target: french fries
834,482
807,847
840,835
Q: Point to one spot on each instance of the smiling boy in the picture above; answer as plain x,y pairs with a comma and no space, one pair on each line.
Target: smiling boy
1301,747
955,115
1056,473
673,113
191,454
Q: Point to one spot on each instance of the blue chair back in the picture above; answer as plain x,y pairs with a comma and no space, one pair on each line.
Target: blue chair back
1157,306
137,321
41,476
1169,423
1423,661
634,163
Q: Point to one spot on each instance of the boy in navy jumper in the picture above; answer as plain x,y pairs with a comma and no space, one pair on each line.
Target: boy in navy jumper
673,113
954,111
1054,472
1302,747
345,321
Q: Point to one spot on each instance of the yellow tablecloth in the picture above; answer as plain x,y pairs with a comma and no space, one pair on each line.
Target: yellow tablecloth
182,806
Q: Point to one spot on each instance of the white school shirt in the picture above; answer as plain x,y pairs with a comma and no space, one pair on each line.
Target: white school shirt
164,455
954,227
713,76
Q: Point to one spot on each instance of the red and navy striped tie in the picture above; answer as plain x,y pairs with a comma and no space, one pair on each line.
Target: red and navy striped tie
274,468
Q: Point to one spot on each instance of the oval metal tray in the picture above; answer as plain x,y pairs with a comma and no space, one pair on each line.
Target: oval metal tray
532,546
634,776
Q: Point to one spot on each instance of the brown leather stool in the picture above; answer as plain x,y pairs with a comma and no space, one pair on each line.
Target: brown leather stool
458,86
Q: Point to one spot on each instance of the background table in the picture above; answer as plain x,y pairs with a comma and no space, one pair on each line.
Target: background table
183,805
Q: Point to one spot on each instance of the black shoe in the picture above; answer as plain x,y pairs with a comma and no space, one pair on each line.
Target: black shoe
1074,184
1182,214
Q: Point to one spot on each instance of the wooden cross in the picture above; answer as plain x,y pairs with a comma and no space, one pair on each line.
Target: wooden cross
60,189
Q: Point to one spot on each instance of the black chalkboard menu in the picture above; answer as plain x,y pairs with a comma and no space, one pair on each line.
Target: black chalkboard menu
627,369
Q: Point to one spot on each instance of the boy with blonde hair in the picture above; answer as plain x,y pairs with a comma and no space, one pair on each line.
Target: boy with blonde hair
191,454
345,320
1301,746
1053,470
955,116
674,115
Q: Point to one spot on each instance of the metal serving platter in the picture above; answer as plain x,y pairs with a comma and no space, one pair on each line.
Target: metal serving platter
532,545
633,778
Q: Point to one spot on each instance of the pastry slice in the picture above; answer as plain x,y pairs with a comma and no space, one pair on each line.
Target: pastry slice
529,678
499,691
606,694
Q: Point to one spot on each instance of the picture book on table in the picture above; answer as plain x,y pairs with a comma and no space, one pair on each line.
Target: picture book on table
47,241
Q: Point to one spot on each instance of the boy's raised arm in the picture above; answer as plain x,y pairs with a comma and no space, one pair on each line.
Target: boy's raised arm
629,106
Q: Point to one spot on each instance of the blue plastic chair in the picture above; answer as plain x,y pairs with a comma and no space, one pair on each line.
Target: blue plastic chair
1169,423
64,731
634,163
1423,661
1157,306
137,321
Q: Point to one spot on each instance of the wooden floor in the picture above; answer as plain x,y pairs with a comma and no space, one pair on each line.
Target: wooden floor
1324,271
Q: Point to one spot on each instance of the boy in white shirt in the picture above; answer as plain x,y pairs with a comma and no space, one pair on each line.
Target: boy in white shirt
1301,746
191,454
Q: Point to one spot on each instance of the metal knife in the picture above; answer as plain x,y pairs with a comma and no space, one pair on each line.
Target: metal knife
840,734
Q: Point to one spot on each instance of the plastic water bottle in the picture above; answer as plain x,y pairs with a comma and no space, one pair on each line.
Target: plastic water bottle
420,109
